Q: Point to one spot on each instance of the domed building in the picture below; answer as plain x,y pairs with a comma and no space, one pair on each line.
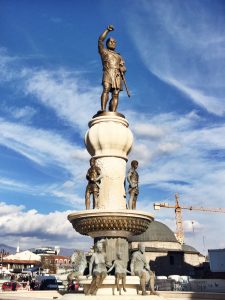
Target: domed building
165,254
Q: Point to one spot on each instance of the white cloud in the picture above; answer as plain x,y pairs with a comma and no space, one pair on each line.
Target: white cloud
192,226
42,146
34,229
24,112
48,149
149,130
168,147
7,210
6,183
69,193
7,73
73,99
183,46
210,103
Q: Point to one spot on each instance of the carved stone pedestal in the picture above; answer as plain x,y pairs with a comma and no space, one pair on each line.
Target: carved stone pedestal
108,287
109,140
114,246
108,224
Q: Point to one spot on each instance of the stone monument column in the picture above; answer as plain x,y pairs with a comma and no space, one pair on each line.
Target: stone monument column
109,140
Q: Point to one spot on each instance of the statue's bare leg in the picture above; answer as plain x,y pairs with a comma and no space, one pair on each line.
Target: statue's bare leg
143,283
103,276
131,198
87,198
124,282
113,289
97,284
105,95
118,283
92,286
113,104
99,281
134,201
152,283
95,199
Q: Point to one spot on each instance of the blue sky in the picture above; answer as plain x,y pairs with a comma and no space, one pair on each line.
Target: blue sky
50,87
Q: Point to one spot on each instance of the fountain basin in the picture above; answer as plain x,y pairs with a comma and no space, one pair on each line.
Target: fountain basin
110,223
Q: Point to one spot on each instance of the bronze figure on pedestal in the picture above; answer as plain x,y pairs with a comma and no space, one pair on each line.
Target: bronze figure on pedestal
133,178
93,176
113,71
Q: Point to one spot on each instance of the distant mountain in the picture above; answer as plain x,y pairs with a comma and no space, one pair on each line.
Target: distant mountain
63,251
6,248
66,251
12,250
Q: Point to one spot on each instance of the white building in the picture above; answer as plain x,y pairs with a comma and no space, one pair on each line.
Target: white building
20,261
217,260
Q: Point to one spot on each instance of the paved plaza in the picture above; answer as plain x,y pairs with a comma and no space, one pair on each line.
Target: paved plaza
43,295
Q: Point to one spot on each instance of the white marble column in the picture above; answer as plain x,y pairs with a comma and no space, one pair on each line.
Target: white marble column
109,140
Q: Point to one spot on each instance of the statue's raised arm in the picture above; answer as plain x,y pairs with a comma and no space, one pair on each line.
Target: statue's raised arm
113,70
103,37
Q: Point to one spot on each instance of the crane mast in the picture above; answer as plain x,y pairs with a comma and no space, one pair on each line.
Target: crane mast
179,221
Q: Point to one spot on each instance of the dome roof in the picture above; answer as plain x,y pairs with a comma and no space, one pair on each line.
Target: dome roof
156,231
188,248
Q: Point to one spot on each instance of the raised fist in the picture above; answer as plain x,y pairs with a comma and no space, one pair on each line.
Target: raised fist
110,28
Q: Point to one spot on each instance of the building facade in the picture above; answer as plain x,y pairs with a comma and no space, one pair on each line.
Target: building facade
165,254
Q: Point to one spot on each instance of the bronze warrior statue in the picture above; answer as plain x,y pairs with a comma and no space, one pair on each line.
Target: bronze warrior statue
113,71
133,178
93,176
140,267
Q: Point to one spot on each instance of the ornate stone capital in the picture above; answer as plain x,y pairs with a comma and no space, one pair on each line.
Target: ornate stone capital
109,135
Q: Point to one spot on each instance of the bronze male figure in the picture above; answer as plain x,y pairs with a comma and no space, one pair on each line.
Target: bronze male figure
93,176
140,267
133,178
113,70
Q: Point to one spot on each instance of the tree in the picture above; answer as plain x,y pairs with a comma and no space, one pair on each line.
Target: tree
48,262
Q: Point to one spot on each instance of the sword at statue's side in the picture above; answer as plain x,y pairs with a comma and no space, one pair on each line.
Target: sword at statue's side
125,83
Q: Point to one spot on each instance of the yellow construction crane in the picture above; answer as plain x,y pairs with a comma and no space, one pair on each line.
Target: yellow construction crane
178,214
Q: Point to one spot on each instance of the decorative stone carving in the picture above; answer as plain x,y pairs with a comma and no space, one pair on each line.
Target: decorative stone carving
103,223
109,135
113,246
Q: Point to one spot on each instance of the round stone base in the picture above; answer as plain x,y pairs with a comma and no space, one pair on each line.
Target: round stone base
108,286
110,223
